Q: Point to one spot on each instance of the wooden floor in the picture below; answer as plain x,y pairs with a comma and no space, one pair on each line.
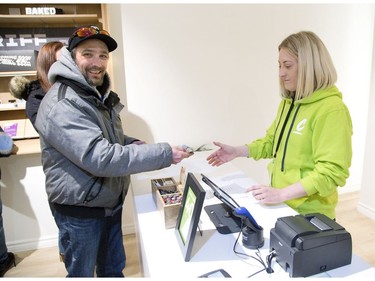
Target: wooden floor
361,228
46,263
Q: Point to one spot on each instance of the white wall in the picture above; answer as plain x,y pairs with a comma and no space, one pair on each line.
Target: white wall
197,73
202,72
366,201
114,19
27,220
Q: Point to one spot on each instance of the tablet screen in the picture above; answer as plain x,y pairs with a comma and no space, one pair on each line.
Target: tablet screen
221,194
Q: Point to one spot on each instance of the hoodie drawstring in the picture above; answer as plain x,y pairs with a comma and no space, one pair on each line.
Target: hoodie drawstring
283,128
287,137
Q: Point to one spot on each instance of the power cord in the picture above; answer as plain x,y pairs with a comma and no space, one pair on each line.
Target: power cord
269,259
266,266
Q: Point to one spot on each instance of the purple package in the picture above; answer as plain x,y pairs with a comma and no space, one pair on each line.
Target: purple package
11,129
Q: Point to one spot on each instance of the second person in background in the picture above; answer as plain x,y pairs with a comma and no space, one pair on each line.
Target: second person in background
34,91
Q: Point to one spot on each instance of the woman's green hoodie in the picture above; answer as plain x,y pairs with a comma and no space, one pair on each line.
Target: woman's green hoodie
310,142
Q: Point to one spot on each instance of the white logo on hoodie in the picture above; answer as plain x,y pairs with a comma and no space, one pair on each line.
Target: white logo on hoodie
300,126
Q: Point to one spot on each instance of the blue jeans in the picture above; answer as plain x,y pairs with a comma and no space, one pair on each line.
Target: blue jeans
90,244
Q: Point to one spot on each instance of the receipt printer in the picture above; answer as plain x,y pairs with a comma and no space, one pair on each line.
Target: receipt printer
310,244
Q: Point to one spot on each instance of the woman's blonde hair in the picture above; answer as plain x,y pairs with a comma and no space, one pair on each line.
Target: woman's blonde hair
315,67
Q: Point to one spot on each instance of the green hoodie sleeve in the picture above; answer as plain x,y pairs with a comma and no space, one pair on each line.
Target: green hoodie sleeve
262,147
332,152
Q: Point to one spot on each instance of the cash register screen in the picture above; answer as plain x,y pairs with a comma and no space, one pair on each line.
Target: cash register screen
189,215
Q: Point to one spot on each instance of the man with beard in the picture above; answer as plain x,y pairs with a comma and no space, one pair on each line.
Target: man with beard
86,157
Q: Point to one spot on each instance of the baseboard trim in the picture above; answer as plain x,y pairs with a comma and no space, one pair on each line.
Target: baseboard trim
27,245
362,208
48,242
365,210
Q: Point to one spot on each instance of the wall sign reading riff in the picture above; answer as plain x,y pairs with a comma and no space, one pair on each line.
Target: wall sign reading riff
19,46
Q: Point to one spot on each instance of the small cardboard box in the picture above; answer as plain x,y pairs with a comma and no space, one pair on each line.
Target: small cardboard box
14,11
167,195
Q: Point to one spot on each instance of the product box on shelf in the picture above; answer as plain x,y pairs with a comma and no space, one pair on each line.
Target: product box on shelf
167,195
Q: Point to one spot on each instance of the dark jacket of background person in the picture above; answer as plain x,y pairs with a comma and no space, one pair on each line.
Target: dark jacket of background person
30,91
34,91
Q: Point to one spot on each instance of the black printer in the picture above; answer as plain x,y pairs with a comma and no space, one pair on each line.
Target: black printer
310,244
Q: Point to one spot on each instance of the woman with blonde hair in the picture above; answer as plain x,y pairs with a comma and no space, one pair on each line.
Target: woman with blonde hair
309,142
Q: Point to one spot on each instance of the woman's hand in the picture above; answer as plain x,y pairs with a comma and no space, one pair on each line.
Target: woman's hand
226,153
266,194
270,195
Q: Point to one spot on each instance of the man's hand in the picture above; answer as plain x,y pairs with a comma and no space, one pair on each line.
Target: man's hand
179,154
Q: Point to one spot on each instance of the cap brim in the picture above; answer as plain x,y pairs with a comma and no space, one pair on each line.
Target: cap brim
109,41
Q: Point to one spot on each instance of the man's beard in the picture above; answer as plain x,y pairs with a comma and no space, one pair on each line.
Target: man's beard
95,82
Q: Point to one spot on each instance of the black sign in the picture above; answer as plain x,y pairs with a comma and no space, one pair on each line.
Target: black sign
31,38
18,60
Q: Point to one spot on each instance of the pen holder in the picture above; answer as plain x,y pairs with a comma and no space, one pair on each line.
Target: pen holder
167,196
252,238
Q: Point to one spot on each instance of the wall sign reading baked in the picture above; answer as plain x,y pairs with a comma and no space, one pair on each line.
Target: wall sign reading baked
42,11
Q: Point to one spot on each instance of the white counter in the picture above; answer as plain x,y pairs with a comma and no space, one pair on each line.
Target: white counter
161,256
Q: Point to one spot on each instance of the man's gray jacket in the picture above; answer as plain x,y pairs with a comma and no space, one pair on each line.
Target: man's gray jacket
86,157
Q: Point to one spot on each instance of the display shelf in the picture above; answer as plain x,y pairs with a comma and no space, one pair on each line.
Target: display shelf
71,19
17,73
73,15
27,146
12,106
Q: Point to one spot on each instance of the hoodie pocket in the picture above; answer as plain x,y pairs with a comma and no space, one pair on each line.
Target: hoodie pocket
94,189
